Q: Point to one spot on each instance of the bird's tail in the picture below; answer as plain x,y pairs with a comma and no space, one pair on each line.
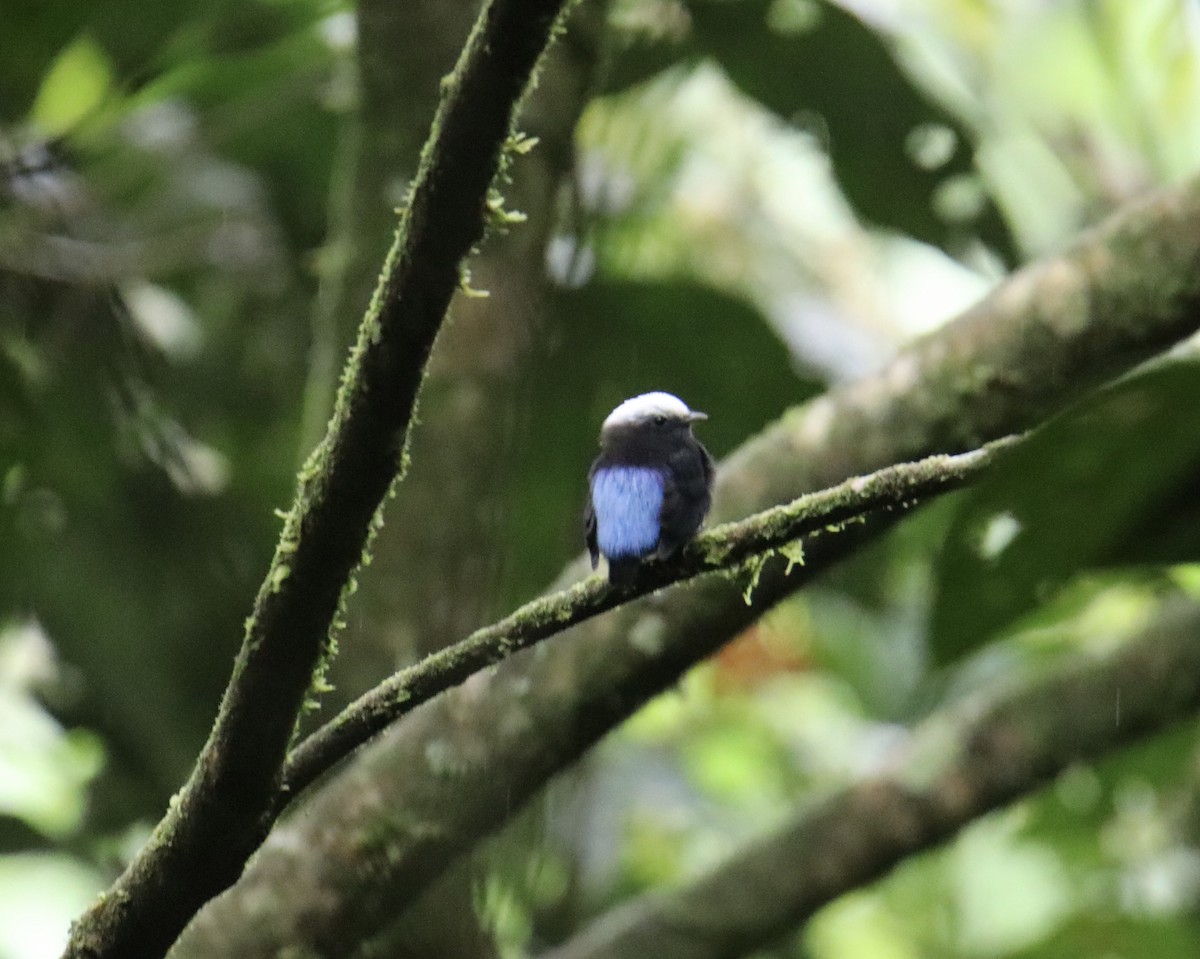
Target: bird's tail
623,571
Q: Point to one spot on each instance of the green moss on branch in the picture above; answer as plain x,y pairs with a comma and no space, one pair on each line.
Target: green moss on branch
1002,367
961,765
231,799
723,548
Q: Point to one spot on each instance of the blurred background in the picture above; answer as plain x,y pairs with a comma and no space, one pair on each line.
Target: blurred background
739,201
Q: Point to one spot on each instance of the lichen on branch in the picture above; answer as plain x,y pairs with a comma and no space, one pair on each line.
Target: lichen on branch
724,548
1046,335
232,792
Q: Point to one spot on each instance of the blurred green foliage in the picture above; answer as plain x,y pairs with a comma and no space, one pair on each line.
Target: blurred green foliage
767,197
1110,482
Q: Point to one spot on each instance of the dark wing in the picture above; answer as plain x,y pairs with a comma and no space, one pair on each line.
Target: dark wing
687,496
710,471
589,523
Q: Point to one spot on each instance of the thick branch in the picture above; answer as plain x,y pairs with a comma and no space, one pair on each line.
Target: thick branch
723,548
987,758
1053,330
227,806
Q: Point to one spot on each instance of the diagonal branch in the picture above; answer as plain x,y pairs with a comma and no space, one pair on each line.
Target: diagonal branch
227,806
961,765
1123,292
723,548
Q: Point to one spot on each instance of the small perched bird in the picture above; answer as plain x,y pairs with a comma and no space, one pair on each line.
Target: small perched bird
651,486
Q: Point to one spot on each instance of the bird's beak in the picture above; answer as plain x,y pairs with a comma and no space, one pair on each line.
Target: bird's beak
694,416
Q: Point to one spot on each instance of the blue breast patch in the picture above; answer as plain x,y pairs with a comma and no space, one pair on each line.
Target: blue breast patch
627,501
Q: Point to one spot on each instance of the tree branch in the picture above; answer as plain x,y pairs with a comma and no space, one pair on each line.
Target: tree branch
985,757
228,803
1053,330
723,548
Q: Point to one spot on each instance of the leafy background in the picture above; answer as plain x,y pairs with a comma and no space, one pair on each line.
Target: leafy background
765,198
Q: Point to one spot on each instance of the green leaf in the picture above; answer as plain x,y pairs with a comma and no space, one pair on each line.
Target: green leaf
637,59
894,149
1111,482
75,87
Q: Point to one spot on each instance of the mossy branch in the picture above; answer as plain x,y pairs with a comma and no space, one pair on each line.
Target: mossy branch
1123,292
230,801
726,547
960,764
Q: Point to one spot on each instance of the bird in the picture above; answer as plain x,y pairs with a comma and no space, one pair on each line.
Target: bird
651,486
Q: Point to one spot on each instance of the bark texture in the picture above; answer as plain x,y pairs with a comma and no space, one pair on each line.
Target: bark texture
726,548
986,755
458,767
233,790
434,567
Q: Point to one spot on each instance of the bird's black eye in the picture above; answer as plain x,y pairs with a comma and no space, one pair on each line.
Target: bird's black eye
660,420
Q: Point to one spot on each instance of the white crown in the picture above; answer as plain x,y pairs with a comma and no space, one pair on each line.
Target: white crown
639,409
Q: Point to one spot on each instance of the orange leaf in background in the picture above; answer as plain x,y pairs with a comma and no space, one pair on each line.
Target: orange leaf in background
757,654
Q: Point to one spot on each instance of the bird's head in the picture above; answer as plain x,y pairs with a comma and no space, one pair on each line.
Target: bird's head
650,413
